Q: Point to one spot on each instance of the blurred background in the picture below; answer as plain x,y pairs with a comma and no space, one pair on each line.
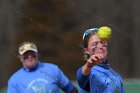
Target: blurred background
56,26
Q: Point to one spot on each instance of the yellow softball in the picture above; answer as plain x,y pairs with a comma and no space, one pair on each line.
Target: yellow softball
104,33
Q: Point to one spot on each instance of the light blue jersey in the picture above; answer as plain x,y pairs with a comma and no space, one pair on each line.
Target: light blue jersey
45,78
101,80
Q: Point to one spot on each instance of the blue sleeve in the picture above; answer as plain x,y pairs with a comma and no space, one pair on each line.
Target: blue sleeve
64,83
122,86
83,81
121,81
11,87
80,90
122,89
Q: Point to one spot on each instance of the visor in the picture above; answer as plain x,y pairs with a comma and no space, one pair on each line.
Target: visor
89,31
26,47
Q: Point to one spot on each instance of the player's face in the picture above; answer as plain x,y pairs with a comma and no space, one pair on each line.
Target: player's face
29,59
96,46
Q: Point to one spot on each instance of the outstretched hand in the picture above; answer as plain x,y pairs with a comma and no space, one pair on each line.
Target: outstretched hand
91,60
94,60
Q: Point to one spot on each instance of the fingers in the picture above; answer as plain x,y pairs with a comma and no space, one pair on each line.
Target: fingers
95,59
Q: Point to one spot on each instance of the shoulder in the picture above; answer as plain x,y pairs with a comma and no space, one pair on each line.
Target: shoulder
48,66
95,69
15,76
98,70
51,68
116,73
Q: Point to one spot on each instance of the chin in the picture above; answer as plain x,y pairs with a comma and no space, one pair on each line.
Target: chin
31,65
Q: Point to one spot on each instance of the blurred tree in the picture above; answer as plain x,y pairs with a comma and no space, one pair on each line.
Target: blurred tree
9,30
50,24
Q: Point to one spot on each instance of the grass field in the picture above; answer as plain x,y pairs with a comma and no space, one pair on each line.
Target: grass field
130,85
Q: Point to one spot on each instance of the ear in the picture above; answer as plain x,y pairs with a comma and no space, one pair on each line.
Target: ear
20,58
86,54
86,51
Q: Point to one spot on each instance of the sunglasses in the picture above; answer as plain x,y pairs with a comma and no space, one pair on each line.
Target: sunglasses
26,55
89,31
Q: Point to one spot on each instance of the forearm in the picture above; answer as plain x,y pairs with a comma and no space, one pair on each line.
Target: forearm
86,69
70,88
83,80
92,61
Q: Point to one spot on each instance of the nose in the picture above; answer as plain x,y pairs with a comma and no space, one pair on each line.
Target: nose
100,45
29,56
